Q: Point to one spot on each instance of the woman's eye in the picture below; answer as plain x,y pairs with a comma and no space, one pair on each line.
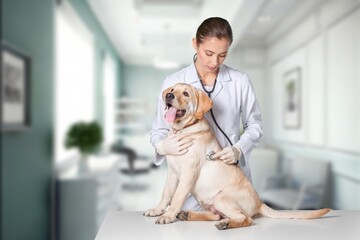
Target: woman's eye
186,94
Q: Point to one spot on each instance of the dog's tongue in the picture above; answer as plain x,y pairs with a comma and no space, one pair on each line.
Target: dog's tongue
170,114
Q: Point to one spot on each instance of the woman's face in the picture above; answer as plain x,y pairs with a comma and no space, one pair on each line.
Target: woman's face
211,53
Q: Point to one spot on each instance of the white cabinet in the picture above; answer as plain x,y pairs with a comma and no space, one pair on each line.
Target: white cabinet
134,118
131,116
84,198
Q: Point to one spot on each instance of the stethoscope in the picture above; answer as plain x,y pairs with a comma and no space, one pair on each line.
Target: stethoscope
209,94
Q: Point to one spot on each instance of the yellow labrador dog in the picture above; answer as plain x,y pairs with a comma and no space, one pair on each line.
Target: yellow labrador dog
222,190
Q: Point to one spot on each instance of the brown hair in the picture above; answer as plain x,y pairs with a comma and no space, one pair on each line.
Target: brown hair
214,27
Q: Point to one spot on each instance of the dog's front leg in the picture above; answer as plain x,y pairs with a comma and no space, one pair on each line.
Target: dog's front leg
169,190
185,185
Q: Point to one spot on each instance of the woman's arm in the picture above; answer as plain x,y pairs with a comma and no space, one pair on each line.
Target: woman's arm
251,119
159,129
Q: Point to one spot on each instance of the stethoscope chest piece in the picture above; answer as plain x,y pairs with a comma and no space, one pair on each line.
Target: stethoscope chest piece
209,155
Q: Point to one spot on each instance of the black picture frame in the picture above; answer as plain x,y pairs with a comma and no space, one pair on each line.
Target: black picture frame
14,89
292,102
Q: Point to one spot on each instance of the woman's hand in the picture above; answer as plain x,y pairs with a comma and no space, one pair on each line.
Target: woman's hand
174,144
229,155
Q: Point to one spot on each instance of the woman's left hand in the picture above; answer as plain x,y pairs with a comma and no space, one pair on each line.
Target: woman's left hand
229,155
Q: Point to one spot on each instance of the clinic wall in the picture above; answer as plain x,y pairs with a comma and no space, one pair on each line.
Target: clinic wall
325,45
144,82
26,156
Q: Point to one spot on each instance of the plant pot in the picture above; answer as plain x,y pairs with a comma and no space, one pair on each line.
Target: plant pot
84,163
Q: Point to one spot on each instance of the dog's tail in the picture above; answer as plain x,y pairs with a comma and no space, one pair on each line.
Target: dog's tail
271,213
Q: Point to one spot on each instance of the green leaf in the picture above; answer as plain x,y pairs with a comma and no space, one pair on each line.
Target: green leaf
86,136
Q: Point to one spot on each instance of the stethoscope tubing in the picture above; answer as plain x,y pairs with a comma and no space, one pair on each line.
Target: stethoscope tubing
209,94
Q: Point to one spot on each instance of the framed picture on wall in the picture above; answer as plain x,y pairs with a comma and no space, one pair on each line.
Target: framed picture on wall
14,89
292,98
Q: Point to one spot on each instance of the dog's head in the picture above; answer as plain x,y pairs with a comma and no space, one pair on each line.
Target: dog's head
184,103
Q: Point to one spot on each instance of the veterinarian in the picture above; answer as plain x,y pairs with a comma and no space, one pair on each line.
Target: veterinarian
234,102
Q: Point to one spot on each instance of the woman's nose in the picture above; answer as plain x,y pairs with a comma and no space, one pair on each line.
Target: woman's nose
215,61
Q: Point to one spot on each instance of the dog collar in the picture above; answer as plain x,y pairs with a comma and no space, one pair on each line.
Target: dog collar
175,131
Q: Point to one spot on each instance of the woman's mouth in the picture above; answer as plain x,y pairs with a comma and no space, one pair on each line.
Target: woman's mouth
212,69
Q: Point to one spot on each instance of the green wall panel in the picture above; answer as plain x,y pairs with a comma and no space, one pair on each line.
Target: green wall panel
27,156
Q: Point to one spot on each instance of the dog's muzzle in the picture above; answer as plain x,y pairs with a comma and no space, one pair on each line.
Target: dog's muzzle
169,97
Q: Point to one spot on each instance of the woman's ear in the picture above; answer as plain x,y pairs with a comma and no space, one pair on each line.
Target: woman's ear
204,104
195,46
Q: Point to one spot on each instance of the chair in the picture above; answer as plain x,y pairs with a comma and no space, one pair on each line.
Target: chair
303,187
131,170
264,162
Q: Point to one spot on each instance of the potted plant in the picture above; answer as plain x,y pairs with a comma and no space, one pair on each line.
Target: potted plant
86,137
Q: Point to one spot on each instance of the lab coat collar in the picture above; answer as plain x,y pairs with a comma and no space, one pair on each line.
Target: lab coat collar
223,76
192,77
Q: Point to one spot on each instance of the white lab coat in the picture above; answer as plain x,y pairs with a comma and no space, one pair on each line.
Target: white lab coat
234,100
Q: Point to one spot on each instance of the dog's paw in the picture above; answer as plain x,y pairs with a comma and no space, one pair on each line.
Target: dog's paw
153,212
222,225
165,219
183,216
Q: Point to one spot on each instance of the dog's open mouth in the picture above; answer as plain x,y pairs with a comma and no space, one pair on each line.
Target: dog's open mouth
172,113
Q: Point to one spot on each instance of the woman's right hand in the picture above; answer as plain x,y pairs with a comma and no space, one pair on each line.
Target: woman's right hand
174,144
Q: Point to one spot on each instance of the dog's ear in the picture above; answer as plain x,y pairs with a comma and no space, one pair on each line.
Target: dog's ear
204,104
167,90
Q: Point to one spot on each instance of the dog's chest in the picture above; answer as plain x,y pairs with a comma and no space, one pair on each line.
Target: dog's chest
185,161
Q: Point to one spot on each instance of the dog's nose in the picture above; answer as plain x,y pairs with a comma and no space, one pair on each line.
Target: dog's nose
169,96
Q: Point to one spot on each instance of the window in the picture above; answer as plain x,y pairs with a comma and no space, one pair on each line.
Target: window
74,88
109,96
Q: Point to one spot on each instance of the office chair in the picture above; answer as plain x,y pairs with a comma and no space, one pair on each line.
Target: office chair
302,186
131,170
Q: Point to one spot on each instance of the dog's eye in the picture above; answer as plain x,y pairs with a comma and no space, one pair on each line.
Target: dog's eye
186,94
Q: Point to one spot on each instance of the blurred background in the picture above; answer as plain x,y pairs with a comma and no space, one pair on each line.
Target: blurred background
105,61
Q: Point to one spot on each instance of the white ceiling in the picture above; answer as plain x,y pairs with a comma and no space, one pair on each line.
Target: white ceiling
160,31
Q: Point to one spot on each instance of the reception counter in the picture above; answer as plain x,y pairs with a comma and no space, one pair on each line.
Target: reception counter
336,225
